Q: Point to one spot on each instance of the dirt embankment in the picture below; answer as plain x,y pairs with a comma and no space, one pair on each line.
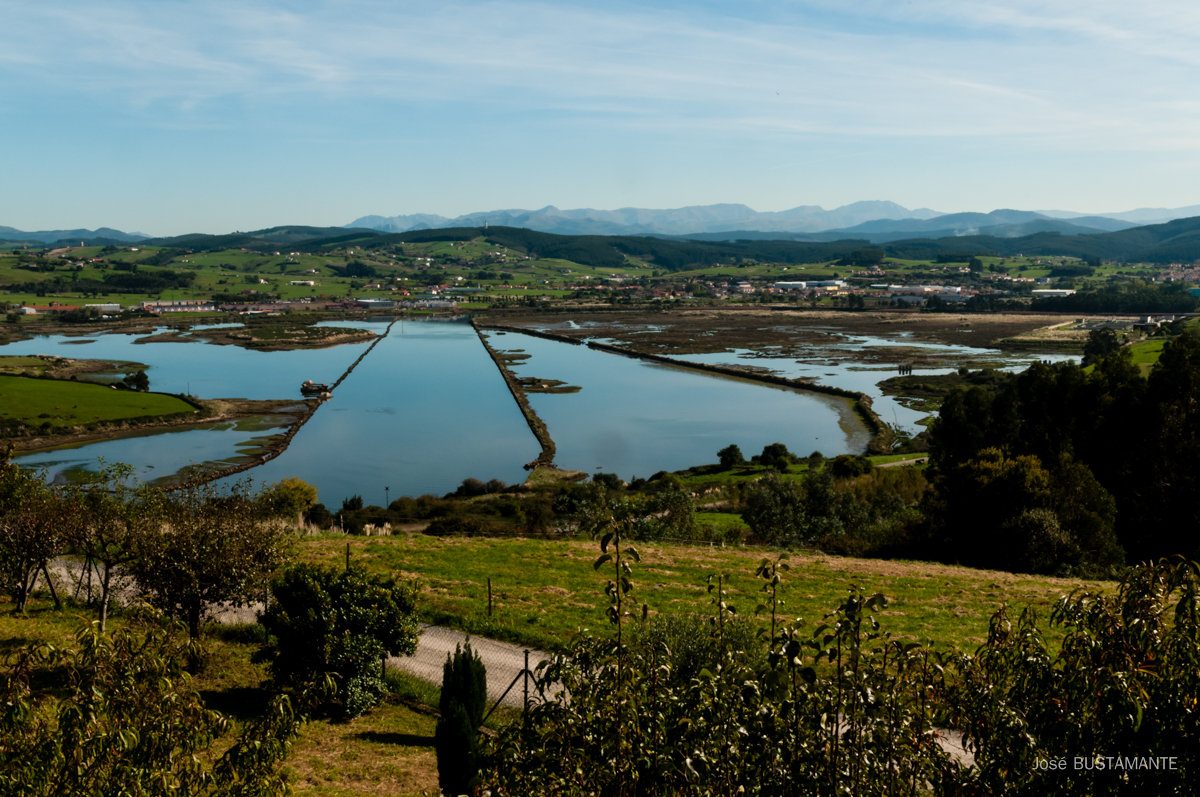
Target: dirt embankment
283,338
207,412
536,425
278,336
64,367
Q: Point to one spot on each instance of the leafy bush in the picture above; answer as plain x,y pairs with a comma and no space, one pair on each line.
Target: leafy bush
342,623
847,466
690,638
1121,688
466,526
775,508
842,709
131,722
289,498
473,487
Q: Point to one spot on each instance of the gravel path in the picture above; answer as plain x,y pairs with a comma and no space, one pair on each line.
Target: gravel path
502,660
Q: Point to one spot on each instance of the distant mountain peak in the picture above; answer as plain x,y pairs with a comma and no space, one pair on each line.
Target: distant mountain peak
867,217
66,236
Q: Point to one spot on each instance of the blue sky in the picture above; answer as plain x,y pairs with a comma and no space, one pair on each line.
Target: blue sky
171,117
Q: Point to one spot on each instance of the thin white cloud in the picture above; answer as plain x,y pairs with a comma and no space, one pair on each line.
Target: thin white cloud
1053,70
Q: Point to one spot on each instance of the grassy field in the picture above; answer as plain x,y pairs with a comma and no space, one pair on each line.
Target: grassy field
17,365
698,477
1146,353
35,402
544,591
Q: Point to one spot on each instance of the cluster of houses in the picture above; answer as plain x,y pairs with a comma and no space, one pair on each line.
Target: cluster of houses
243,308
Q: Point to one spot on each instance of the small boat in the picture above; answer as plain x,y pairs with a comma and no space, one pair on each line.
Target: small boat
310,388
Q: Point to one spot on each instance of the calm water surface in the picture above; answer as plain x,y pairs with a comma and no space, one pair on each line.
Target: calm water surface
428,408
157,455
634,418
424,411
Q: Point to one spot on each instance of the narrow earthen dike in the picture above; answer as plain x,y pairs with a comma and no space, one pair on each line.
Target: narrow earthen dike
281,445
536,425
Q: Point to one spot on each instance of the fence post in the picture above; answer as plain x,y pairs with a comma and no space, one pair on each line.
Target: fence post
525,683
489,597
347,557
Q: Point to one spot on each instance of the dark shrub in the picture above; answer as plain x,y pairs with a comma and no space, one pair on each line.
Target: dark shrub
463,703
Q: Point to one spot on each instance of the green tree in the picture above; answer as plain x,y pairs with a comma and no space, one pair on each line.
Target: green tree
775,508
730,457
137,381
212,548
327,621
775,455
848,466
116,516
33,520
1100,344
671,509
289,498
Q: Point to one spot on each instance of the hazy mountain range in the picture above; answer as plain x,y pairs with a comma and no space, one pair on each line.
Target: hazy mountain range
877,220
13,235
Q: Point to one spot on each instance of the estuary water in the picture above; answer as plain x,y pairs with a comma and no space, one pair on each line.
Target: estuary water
425,410
866,379
428,408
634,418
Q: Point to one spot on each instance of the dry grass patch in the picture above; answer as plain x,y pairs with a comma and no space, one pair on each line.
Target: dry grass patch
386,752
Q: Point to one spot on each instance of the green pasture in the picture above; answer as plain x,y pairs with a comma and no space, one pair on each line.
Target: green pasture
702,476
35,402
545,591
18,365
1146,353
